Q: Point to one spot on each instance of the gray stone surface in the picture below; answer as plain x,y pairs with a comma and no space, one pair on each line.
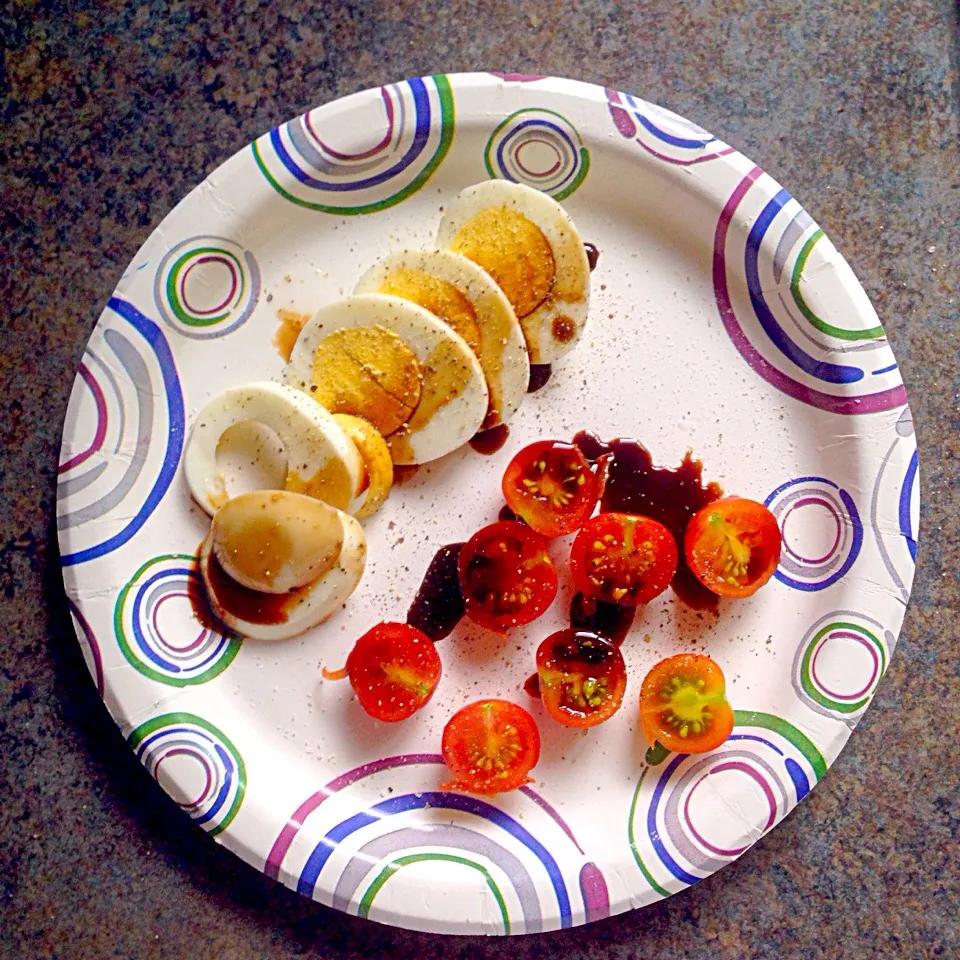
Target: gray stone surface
112,111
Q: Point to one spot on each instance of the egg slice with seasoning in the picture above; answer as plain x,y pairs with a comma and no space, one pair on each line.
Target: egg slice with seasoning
398,367
277,563
527,242
322,462
464,297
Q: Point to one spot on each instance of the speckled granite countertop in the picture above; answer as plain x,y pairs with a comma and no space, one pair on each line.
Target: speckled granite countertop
113,111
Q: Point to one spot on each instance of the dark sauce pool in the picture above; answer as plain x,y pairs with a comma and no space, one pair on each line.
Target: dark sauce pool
593,255
608,620
490,441
539,375
438,606
668,495
250,605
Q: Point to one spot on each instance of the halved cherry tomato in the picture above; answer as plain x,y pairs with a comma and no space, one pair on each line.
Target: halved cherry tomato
552,487
393,669
733,546
582,677
506,576
683,705
490,747
623,559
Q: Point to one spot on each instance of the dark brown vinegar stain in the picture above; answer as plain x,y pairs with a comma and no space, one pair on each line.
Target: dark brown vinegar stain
539,375
490,441
438,606
593,255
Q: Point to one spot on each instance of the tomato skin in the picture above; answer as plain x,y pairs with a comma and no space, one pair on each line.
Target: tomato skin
490,747
393,669
582,677
681,694
506,575
623,558
733,546
552,487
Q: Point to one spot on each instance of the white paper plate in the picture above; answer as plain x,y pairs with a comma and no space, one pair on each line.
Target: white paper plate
722,319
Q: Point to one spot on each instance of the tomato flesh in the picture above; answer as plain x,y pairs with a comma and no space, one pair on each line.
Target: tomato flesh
393,669
683,704
733,546
506,575
623,558
552,487
490,747
582,677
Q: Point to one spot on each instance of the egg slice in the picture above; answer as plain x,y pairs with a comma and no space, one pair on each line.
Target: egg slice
276,539
398,367
527,242
464,297
377,462
321,460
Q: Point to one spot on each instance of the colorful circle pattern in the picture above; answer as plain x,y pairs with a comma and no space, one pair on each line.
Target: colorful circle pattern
207,286
843,698
388,166
515,865
185,658
128,397
175,748
674,839
821,504
539,148
777,332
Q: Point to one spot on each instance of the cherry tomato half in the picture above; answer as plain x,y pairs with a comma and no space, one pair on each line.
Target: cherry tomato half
683,704
393,669
733,546
506,576
490,746
552,487
622,558
582,677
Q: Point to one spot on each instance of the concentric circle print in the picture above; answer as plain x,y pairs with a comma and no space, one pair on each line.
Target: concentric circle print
539,148
207,286
122,437
821,530
158,629
681,828
793,322
196,764
839,663
347,861
365,169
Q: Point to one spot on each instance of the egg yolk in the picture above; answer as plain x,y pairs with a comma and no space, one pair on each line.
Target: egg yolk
332,483
514,251
368,372
377,464
440,297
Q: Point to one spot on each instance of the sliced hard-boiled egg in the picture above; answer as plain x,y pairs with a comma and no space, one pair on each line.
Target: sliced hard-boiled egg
322,462
275,541
398,367
335,552
377,462
527,242
465,297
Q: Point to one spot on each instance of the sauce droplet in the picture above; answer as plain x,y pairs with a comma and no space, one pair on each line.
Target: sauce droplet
539,375
438,606
532,685
609,620
593,255
490,441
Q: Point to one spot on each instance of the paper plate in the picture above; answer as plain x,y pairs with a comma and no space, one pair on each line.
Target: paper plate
722,319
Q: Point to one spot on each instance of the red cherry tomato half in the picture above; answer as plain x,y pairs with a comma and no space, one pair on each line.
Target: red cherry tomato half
506,576
733,546
683,704
622,558
393,669
490,746
582,677
552,487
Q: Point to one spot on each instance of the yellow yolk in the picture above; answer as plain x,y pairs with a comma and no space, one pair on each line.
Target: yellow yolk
514,251
368,372
440,297
377,463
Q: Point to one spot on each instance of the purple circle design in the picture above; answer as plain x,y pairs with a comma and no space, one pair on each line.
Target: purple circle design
845,635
